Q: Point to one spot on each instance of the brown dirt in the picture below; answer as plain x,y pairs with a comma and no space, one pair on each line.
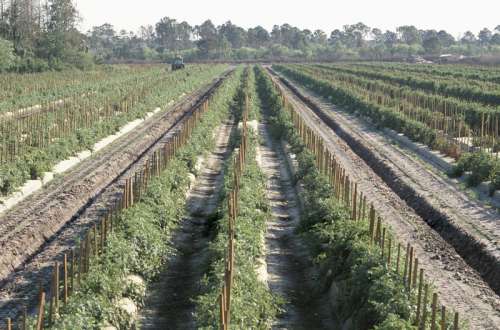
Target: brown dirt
287,265
45,224
459,285
169,302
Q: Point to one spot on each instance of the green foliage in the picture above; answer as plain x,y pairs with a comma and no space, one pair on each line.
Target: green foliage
7,57
349,100
252,304
367,292
139,243
349,86
393,322
159,87
482,167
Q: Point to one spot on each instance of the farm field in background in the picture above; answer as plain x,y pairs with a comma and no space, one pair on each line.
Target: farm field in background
343,195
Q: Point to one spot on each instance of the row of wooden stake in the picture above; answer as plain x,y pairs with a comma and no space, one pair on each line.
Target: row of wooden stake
68,274
239,168
406,262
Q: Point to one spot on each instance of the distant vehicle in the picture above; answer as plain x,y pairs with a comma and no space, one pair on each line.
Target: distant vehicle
178,63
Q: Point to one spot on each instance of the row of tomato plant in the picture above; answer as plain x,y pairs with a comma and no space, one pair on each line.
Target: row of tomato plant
465,89
480,118
353,98
253,306
368,292
31,145
467,72
26,90
140,243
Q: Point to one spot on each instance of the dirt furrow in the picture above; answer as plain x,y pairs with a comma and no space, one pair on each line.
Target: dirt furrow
459,285
169,302
287,268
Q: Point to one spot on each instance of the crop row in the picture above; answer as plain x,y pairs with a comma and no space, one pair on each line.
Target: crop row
464,89
450,134
479,117
30,146
486,74
374,281
416,122
23,91
133,241
469,124
251,304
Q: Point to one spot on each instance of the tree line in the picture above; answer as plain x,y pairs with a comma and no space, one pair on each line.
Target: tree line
229,41
38,35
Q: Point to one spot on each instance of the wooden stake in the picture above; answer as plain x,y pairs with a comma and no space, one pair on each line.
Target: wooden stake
406,263
443,318
389,252
41,309
424,307
419,297
398,258
415,271
410,268
434,309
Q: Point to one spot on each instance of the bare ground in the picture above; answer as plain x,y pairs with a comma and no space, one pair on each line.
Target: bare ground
288,266
45,224
169,302
459,285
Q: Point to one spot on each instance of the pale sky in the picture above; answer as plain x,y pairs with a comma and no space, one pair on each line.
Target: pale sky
455,16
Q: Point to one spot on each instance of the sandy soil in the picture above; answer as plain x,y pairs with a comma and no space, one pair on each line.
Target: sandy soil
459,285
169,302
286,261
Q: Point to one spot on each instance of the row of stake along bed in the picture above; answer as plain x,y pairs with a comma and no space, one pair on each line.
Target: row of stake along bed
239,168
398,256
68,273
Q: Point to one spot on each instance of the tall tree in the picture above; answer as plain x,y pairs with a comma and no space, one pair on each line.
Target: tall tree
258,37
102,41
147,33
166,34
234,34
431,42
468,38
355,35
336,37
61,36
184,35
409,34
22,24
207,37
445,39
484,36
390,39
319,37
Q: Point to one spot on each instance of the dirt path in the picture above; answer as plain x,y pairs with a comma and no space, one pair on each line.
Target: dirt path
169,303
285,259
459,284
46,223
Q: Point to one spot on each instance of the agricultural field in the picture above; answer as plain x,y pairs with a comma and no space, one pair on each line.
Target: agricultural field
360,195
